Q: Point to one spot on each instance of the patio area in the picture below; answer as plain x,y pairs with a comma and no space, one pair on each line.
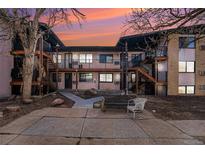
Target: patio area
91,126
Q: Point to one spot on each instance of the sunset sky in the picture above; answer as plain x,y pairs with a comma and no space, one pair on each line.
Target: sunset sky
102,27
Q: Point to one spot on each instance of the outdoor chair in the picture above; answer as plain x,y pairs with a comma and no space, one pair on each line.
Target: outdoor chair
136,105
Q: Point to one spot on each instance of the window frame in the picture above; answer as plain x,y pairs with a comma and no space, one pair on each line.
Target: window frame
187,67
85,60
59,58
185,86
86,80
105,55
182,45
132,78
105,78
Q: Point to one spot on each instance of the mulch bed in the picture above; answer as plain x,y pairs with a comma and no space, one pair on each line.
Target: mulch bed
38,103
177,107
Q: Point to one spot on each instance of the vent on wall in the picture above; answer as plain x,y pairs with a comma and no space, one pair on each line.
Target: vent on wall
202,73
117,63
202,47
201,87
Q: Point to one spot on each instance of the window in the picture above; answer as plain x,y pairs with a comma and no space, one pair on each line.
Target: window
86,77
117,77
186,89
86,58
133,78
190,89
187,42
89,58
182,90
55,59
54,77
187,67
106,78
190,67
182,66
137,57
106,58
75,57
82,58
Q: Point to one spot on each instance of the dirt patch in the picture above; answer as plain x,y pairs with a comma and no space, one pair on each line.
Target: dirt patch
166,108
38,103
177,107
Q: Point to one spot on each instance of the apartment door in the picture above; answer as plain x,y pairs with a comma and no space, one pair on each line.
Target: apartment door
68,80
68,60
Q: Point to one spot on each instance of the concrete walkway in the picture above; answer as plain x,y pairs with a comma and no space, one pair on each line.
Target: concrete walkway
80,102
91,126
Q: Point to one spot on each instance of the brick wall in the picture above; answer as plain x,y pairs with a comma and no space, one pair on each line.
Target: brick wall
200,66
173,58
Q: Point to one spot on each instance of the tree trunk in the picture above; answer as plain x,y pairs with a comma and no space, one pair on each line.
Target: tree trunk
27,75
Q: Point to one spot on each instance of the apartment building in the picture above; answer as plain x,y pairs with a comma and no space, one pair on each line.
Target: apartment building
186,73
176,64
46,44
172,66
87,67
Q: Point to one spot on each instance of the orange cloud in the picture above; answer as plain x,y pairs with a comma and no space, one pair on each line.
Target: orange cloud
100,14
77,36
109,40
102,27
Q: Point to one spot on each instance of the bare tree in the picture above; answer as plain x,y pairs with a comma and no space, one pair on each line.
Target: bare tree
24,23
146,20
152,20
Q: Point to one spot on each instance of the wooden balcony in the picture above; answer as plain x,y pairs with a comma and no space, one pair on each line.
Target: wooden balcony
20,83
161,58
86,70
85,66
22,52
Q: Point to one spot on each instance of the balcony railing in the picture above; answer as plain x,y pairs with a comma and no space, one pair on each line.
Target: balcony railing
88,63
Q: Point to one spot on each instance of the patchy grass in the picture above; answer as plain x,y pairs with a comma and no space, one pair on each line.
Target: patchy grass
27,108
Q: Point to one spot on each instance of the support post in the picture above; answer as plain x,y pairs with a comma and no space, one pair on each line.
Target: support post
76,80
48,75
156,77
126,69
98,80
137,81
41,67
57,66
155,89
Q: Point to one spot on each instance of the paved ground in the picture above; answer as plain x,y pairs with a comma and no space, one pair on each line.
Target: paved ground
80,102
91,126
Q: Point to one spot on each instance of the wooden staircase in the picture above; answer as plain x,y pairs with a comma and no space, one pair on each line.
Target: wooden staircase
142,71
51,63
